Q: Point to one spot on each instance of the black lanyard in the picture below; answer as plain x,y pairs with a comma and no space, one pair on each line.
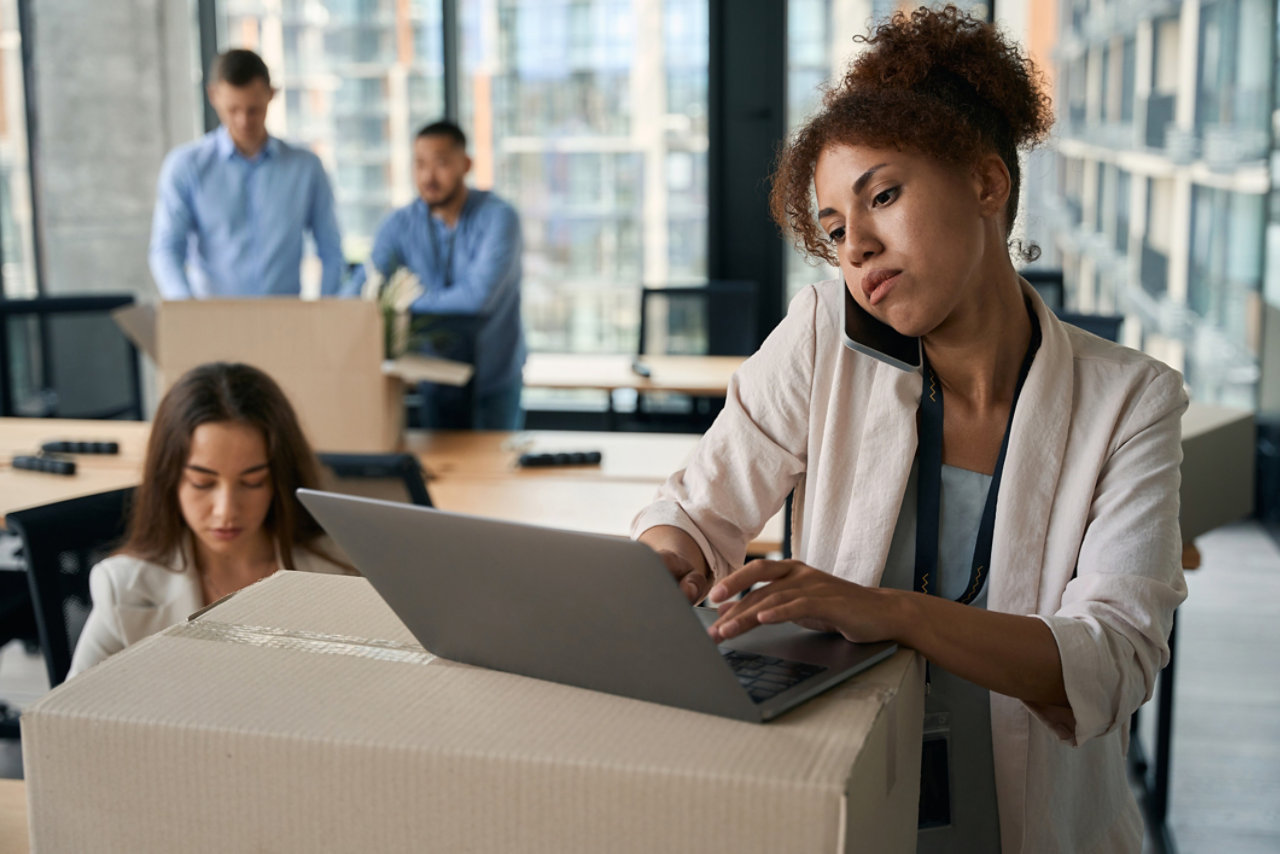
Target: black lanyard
929,483
447,259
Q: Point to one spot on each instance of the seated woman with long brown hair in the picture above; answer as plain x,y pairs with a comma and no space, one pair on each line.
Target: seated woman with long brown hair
216,510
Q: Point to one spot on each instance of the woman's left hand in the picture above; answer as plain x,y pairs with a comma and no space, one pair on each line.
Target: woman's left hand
798,593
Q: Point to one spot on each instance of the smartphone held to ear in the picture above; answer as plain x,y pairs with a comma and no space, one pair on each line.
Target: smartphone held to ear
871,337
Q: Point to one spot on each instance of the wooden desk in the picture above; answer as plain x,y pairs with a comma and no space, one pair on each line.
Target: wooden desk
648,457
472,473
699,375
575,504
95,472
475,472
25,435
22,489
14,837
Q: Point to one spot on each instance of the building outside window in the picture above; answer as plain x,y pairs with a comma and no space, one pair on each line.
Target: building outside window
590,116
356,78
1232,100
1173,153
1224,290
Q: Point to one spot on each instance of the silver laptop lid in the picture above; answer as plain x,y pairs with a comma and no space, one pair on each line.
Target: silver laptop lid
582,609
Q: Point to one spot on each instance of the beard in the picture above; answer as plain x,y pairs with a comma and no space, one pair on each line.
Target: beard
448,197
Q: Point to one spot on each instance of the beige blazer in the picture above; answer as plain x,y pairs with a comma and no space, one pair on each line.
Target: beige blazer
135,598
1086,531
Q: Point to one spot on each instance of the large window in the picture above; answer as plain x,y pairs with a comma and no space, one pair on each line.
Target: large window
355,78
1232,108
590,116
17,239
1223,293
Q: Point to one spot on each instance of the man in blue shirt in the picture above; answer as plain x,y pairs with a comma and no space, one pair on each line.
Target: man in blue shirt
464,247
231,207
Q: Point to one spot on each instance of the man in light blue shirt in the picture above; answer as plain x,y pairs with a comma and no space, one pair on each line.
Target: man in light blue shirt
232,206
464,247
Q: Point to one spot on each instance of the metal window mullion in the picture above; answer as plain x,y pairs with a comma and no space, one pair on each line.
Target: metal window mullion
207,12
449,43
28,96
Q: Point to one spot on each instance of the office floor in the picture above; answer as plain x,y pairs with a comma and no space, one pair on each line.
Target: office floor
1226,750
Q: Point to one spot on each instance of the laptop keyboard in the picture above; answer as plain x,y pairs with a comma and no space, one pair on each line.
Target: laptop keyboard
764,676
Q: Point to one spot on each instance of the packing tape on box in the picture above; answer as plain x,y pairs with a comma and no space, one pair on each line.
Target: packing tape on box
295,639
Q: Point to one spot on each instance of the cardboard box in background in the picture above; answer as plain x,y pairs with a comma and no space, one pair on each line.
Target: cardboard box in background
325,354
1218,461
301,715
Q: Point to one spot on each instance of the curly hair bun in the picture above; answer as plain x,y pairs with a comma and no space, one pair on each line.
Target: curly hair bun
938,82
958,59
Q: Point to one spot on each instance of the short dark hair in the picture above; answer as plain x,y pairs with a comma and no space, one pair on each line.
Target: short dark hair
238,67
445,128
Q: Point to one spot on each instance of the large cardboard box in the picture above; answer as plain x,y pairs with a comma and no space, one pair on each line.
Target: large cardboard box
301,715
1218,449
326,355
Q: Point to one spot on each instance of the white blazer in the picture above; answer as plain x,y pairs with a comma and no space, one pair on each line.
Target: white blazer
134,598
1086,531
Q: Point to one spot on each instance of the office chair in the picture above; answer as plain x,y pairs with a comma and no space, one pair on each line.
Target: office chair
391,477
17,619
65,357
62,542
1103,325
1050,285
715,319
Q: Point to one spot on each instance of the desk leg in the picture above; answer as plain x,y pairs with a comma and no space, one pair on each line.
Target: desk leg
1164,733
1153,776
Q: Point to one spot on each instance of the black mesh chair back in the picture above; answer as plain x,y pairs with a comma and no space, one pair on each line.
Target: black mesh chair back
61,543
1050,285
390,477
1103,325
65,357
715,319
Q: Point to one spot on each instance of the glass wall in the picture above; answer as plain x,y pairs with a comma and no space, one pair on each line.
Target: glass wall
356,78
1176,128
1223,292
17,236
590,116
1232,104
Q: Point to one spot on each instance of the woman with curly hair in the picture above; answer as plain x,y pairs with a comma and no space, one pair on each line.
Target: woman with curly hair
215,512
1023,537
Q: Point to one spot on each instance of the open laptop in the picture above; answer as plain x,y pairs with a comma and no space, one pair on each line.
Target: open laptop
581,609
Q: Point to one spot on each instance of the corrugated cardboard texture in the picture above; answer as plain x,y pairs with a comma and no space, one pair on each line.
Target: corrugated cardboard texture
326,355
185,744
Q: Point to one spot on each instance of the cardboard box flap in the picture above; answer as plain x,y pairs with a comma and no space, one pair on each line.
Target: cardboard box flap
282,332
325,354
138,322
571,769
413,368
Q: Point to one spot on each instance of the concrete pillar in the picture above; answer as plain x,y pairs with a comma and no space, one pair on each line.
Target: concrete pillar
116,86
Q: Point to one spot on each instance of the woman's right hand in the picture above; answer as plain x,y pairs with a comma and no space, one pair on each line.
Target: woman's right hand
682,558
694,581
